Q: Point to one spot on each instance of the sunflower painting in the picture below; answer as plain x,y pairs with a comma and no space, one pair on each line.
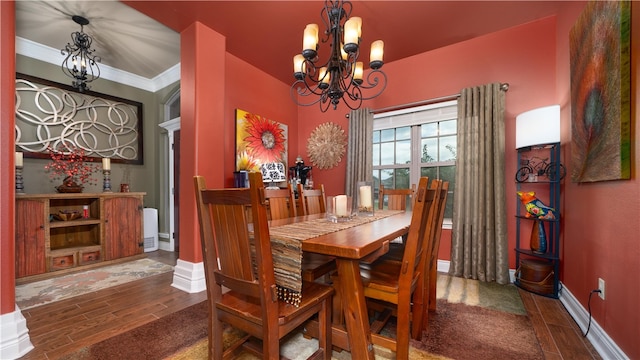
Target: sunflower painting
259,141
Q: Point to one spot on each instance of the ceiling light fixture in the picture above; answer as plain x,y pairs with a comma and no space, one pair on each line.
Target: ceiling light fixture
80,64
341,76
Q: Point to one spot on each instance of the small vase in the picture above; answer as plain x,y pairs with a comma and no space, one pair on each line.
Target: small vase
538,241
69,186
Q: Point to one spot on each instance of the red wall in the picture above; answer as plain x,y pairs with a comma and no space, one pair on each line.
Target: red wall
601,220
498,57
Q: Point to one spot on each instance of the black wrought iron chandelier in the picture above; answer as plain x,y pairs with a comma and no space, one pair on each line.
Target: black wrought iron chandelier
341,75
80,64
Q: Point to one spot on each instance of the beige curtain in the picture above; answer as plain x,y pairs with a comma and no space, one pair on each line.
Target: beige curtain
359,149
479,248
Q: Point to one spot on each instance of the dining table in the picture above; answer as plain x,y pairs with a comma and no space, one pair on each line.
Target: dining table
351,245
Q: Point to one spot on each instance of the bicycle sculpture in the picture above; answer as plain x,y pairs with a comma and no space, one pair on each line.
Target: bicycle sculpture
538,166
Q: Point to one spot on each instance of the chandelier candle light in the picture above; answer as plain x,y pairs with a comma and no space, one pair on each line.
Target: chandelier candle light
80,64
342,75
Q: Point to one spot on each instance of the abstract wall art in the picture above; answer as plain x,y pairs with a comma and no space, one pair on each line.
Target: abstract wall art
601,92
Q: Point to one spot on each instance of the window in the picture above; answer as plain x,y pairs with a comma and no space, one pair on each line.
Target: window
415,142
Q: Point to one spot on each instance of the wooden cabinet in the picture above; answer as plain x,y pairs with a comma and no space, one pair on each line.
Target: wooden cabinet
110,227
120,240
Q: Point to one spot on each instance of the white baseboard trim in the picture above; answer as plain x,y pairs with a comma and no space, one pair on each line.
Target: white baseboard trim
603,344
14,335
189,277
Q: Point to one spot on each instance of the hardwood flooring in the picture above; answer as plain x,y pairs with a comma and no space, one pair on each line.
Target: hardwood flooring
68,325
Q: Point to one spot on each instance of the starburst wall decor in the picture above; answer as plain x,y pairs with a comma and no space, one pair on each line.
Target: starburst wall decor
259,140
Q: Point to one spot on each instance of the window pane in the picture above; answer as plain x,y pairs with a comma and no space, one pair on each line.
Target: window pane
402,179
376,136
386,153
427,130
429,150
447,148
387,135
403,152
403,133
431,172
386,178
448,173
448,127
376,154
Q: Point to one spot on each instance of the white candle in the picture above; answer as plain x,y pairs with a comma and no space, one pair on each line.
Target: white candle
340,202
19,159
106,164
365,196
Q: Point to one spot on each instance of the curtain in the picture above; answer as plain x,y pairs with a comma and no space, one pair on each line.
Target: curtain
359,149
479,248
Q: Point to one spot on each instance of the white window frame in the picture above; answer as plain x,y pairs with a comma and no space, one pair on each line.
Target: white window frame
414,116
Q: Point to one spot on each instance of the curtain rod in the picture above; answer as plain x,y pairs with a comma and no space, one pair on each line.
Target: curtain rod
503,87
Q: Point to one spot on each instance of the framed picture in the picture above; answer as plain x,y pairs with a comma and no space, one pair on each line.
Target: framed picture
259,141
601,92
50,115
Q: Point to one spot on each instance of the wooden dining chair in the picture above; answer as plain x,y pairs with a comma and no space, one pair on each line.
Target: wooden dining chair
281,203
432,263
314,266
239,258
389,287
396,199
312,201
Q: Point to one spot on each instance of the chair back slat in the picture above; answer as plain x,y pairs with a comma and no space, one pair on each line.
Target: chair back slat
281,203
312,201
396,199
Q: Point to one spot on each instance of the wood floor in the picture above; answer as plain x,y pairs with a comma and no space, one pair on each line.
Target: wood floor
68,325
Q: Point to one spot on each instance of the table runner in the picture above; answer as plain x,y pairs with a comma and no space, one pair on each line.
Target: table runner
287,250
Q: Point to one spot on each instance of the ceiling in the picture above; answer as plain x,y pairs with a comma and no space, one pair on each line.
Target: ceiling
130,35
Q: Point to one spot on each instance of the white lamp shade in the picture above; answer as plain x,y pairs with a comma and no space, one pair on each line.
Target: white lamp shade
538,126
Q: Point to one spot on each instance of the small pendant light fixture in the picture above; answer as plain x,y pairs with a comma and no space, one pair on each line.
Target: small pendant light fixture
80,64
341,76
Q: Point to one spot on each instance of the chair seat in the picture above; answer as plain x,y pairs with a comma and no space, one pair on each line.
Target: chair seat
383,276
316,265
249,309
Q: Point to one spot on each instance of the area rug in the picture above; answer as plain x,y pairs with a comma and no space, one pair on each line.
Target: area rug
67,286
474,321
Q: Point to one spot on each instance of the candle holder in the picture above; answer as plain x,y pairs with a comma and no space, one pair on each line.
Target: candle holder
364,198
338,208
19,183
106,184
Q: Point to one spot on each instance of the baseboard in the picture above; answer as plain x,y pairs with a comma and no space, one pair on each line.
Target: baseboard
14,335
603,344
189,277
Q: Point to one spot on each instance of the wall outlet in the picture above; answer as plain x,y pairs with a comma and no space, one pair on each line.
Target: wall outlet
601,288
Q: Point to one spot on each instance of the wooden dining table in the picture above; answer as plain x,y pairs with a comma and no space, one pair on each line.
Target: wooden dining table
350,247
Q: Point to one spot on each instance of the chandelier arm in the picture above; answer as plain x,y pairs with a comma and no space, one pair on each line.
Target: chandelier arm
373,81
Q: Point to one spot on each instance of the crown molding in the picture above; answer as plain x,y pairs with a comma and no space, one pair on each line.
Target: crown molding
48,54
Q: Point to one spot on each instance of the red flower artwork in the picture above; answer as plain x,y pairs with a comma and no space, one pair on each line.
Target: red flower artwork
69,163
266,140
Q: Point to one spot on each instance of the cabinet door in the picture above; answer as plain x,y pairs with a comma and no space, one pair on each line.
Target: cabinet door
123,227
31,218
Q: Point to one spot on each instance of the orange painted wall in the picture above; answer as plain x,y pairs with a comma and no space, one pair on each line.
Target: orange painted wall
498,57
7,158
601,221
250,89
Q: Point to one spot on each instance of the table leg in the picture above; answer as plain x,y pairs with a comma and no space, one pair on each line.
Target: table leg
355,309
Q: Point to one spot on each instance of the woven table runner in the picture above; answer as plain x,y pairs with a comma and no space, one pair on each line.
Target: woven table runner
287,250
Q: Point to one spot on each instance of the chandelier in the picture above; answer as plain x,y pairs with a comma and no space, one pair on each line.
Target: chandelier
80,63
341,75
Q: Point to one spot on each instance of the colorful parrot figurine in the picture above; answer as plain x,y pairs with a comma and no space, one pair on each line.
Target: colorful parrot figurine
535,207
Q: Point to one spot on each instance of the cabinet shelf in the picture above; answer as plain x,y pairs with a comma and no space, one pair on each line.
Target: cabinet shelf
71,223
535,254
